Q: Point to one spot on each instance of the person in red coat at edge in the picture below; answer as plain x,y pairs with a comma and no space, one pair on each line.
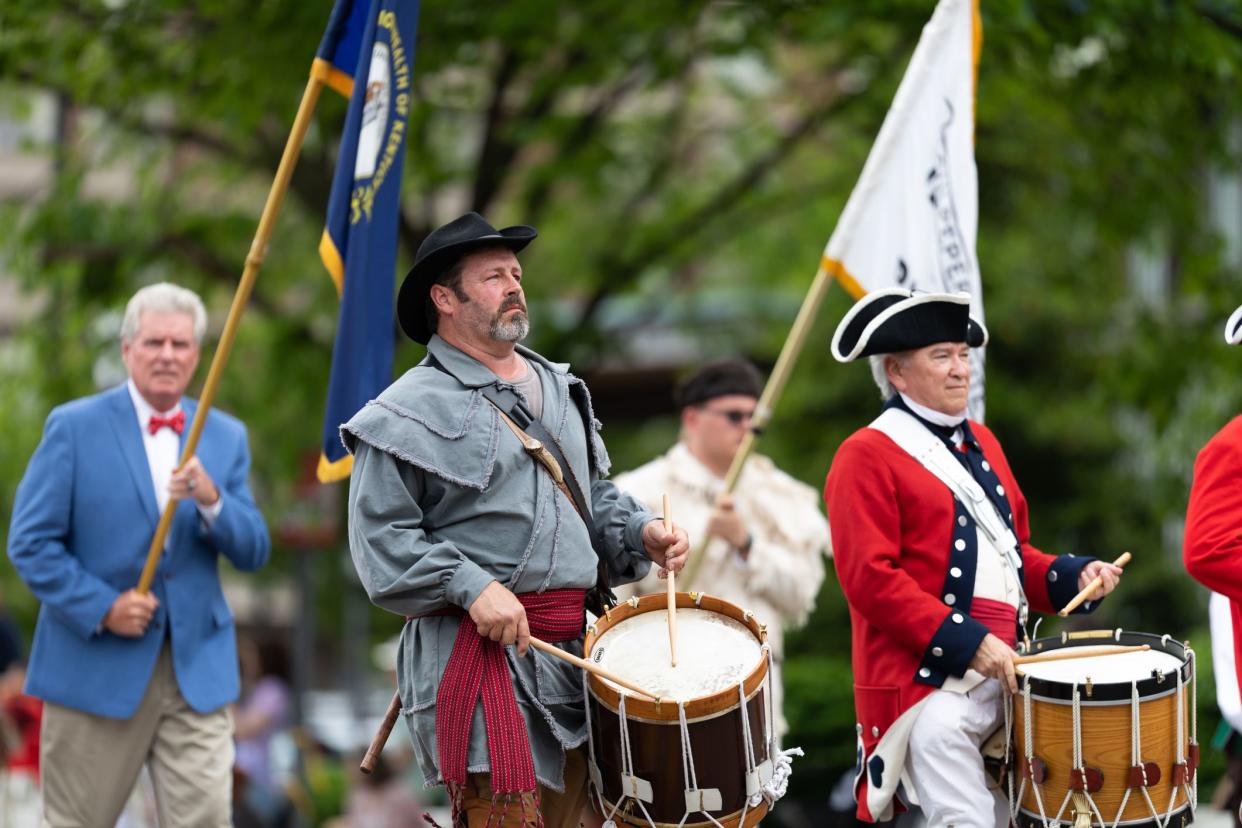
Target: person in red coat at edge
934,556
1212,544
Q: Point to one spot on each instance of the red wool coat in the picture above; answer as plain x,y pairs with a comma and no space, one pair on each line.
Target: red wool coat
1212,547
900,542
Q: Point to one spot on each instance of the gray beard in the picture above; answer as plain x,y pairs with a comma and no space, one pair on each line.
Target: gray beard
514,330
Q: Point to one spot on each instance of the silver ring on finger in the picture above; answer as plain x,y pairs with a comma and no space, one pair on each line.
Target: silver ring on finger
190,484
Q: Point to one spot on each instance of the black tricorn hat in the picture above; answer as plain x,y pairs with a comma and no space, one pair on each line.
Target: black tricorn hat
440,251
1233,328
893,320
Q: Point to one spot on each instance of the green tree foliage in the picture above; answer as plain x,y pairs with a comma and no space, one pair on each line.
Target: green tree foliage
685,163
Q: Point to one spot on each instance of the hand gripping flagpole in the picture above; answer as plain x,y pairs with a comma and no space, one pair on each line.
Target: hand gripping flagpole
790,352
258,251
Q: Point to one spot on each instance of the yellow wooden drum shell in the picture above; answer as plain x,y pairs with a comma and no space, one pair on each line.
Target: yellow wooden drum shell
1106,733
1105,745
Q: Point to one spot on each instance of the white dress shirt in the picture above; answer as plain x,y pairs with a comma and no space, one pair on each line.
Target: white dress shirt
163,450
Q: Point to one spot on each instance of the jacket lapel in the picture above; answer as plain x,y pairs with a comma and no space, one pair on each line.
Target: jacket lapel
129,438
190,407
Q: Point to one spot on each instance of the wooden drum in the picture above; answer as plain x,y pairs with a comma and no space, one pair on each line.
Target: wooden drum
700,749
1106,740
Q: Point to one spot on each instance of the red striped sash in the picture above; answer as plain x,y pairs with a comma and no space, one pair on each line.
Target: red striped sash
477,667
1000,618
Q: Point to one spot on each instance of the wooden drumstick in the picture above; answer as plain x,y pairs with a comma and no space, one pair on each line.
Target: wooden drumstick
394,707
672,589
1083,652
1097,582
590,667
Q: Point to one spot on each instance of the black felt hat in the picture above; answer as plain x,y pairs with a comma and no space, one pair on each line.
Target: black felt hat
893,320
440,251
719,379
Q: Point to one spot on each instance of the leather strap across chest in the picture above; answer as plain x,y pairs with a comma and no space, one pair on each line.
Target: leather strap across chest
544,449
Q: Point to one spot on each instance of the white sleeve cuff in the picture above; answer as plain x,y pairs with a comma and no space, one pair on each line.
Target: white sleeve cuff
210,513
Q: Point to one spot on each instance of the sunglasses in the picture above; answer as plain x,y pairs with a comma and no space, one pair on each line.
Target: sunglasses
733,415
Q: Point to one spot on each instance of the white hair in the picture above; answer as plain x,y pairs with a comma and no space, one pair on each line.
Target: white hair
164,297
879,372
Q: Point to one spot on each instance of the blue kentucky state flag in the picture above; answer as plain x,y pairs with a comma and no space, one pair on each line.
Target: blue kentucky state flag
359,243
337,58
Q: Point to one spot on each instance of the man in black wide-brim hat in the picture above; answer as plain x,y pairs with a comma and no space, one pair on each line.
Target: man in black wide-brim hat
453,522
932,549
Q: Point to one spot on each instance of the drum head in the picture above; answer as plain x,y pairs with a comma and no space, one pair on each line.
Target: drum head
1155,670
1106,667
714,653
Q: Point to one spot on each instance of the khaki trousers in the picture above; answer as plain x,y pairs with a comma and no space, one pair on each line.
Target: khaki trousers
89,763
559,810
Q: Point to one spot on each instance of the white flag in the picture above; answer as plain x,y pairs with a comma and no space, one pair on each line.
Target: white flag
912,218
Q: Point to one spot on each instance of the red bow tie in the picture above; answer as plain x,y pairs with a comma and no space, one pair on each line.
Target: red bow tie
176,422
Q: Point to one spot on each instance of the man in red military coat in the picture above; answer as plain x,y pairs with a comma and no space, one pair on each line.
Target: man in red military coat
933,553
1212,546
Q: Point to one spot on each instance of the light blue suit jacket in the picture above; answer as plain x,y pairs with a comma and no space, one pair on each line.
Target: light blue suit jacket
83,518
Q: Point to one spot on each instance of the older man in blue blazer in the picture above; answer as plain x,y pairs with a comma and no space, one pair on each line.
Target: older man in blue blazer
133,678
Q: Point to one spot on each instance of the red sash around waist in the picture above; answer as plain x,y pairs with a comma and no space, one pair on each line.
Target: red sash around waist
477,666
1000,618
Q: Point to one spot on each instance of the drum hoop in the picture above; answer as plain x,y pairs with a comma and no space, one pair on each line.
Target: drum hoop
674,722
698,708
1104,692
753,815
1031,819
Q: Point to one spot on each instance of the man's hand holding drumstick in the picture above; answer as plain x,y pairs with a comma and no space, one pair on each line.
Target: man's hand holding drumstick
1096,580
996,659
667,548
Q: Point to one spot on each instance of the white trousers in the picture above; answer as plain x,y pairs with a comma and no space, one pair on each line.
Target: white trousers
944,765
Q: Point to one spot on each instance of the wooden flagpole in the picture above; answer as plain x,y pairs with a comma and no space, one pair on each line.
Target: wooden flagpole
790,352
258,251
